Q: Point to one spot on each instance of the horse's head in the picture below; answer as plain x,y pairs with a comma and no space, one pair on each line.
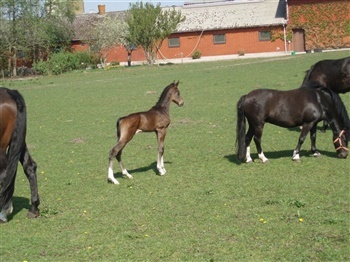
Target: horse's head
176,96
341,144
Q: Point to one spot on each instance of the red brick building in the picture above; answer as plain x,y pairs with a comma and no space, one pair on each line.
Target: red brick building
317,24
226,27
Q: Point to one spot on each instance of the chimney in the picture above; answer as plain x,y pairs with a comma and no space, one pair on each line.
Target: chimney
101,9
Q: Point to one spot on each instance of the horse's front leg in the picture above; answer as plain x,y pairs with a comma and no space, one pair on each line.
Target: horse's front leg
313,141
305,129
29,168
160,160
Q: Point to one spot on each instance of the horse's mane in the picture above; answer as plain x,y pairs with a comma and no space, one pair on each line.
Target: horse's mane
311,84
164,94
308,73
339,107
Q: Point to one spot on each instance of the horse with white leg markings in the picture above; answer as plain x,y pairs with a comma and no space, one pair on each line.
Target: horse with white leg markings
305,106
157,119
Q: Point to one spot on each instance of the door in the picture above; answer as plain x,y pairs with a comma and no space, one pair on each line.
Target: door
299,40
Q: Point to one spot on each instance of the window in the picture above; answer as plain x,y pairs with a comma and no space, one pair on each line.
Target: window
219,39
174,42
264,36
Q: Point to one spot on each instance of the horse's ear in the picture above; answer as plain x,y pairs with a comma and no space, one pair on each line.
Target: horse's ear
177,82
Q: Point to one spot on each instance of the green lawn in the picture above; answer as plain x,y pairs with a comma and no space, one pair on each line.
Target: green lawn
208,207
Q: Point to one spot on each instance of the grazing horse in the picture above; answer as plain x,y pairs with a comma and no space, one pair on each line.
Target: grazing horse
333,74
305,107
13,148
156,120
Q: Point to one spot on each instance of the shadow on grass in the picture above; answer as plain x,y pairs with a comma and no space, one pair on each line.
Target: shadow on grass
281,154
152,166
18,203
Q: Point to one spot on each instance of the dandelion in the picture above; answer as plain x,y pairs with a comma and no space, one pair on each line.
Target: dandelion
301,219
262,221
89,247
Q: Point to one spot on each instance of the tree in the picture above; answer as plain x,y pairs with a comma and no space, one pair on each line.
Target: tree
101,34
149,25
34,27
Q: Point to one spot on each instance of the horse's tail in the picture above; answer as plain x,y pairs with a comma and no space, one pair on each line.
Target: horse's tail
241,149
17,144
118,127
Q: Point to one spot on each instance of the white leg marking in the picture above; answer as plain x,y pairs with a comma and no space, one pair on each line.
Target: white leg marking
3,216
296,156
160,165
111,176
247,156
4,213
263,157
317,154
124,171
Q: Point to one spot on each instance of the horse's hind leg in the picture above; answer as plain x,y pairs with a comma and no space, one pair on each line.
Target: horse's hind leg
248,140
121,165
116,152
29,168
7,189
257,140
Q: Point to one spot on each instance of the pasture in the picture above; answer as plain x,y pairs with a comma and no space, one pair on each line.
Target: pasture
209,206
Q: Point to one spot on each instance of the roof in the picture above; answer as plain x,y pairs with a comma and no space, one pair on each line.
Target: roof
81,21
211,15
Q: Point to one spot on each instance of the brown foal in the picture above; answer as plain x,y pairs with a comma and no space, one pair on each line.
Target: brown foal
156,120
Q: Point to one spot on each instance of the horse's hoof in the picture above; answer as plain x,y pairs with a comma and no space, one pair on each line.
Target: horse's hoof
3,221
266,162
31,215
297,160
317,154
112,182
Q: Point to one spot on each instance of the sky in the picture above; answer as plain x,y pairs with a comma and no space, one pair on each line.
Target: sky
119,5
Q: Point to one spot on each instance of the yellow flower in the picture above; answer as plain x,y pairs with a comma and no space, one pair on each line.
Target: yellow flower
301,219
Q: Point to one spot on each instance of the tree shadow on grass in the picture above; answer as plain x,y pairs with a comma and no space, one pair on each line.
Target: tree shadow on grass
281,154
18,203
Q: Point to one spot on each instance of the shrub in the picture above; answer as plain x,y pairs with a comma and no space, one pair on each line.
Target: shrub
66,61
41,67
196,55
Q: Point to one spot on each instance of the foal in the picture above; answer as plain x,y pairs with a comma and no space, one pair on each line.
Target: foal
156,120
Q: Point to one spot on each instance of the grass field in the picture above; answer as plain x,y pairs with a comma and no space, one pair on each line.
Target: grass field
208,207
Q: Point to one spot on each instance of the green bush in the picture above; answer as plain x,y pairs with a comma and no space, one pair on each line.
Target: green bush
197,54
41,68
62,62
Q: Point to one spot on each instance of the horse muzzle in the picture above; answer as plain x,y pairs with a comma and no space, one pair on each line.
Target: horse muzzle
181,103
343,154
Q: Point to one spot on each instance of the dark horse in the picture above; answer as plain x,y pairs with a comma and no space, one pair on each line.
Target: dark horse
333,74
156,120
305,107
13,148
